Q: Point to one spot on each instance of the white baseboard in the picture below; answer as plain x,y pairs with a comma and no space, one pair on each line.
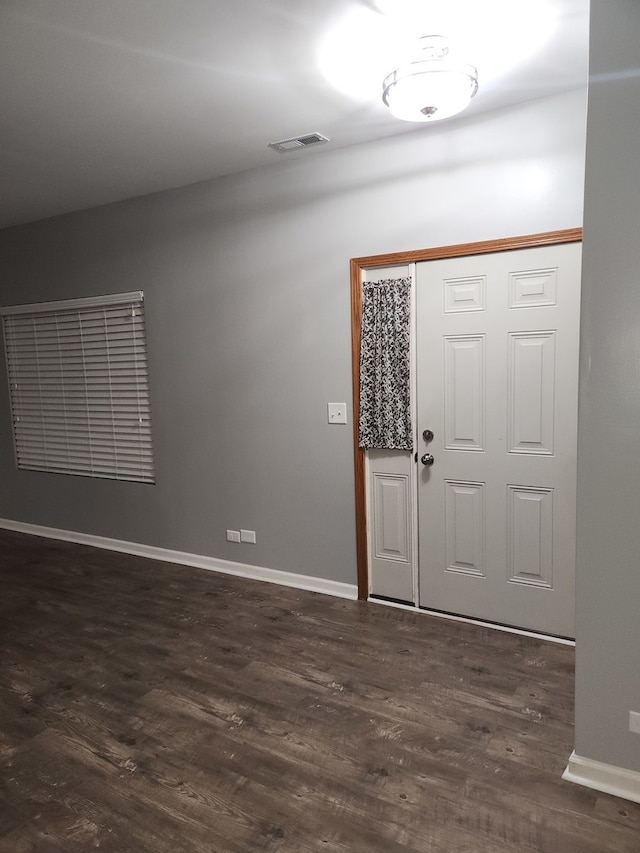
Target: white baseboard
603,777
212,564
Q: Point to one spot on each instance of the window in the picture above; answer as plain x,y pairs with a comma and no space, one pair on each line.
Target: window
79,387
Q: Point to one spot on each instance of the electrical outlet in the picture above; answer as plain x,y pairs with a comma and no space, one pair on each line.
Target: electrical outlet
337,413
233,536
634,722
248,536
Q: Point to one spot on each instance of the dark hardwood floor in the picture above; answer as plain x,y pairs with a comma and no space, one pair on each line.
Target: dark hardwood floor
151,707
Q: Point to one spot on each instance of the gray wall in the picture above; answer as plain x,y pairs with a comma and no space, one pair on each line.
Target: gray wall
608,579
246,283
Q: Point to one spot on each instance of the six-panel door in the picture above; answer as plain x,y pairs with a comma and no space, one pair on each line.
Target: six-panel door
497,368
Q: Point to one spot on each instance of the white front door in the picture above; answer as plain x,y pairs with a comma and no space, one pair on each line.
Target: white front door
497,374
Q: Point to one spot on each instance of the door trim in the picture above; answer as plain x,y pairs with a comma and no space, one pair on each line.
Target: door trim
358,266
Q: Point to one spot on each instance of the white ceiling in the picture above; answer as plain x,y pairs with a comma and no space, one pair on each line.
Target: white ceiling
102,100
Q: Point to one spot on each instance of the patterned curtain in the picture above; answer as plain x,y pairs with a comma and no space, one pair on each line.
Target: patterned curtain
385,415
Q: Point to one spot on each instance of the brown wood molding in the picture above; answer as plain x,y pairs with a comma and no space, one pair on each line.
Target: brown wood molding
359,457
358,266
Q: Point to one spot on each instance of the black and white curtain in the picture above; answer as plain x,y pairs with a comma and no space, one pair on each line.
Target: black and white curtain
385,413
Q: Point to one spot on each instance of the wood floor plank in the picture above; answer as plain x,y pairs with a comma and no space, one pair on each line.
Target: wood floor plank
152,707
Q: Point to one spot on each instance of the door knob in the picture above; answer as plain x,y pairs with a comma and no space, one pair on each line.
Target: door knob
427,459
427,435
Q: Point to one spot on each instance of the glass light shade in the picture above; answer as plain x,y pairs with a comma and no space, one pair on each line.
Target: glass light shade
431,88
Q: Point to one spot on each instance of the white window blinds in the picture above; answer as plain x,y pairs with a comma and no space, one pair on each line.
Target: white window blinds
79,387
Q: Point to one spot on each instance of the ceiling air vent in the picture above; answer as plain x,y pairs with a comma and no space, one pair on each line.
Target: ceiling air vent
298,142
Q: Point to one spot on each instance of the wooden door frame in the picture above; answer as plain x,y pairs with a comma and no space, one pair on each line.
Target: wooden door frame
358,267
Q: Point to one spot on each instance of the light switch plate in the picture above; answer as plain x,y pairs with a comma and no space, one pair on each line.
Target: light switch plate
248,536
337,413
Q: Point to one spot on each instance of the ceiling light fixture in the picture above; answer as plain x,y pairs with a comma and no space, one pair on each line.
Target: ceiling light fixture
432,85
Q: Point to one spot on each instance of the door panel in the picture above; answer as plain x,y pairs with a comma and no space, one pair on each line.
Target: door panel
497,374
531,402
530,536
390,510
464,527
464,392
391,515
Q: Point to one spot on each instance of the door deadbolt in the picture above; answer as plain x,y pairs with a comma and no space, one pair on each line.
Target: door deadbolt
427,459
427,435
